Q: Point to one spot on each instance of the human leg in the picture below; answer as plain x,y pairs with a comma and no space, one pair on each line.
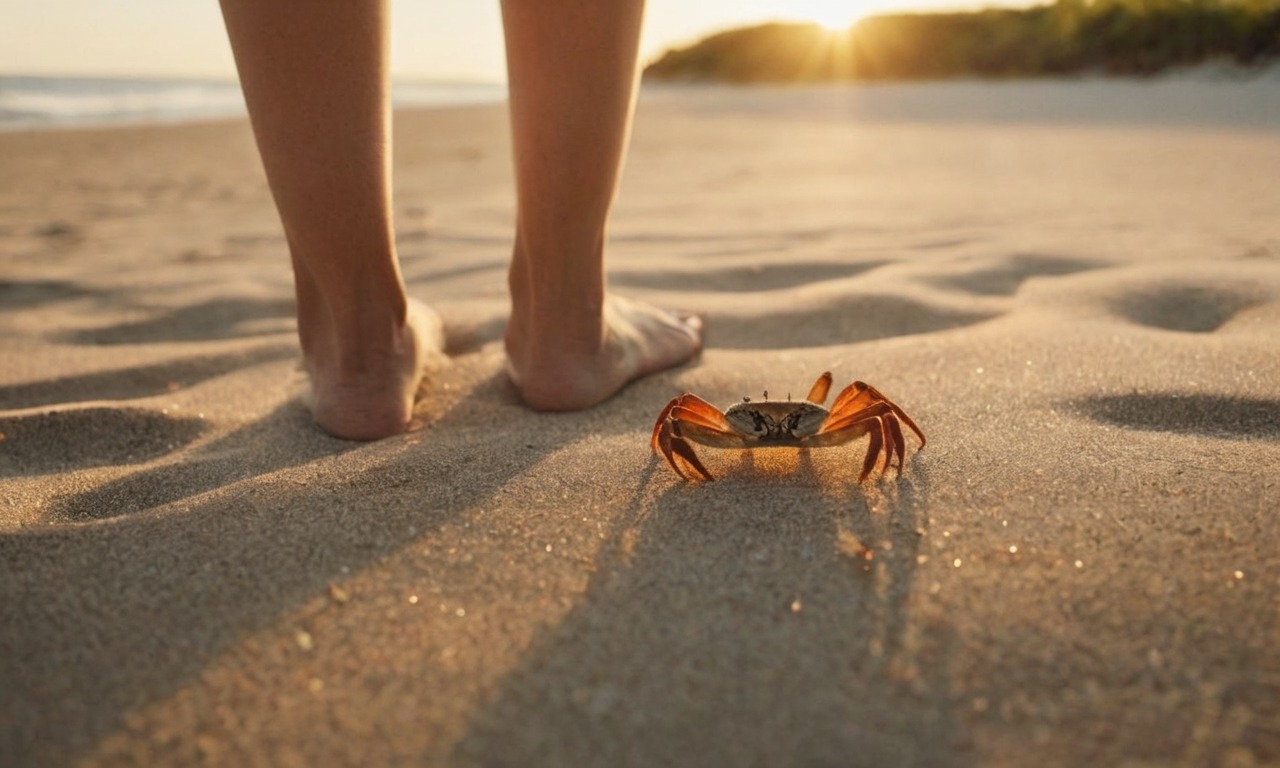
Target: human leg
572,71
314,76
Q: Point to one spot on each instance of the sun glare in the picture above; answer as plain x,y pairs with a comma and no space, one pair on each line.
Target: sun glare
835,15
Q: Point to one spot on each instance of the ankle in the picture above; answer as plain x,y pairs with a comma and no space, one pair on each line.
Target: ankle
556,312
346,327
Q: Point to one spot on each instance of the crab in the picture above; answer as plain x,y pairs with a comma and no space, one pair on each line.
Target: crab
858,410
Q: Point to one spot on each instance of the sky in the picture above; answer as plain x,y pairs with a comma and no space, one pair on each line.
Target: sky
431,39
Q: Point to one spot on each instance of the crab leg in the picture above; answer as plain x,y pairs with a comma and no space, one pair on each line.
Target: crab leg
860,394
887,436
899,443
660,424
689,417
673,444
873,453
692,407
695,408
668,439
837,422
663,447
878,422
849,394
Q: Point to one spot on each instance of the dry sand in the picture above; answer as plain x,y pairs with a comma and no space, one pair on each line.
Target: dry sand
1074,288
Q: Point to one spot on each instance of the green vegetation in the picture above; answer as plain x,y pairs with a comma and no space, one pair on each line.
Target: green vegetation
1122,37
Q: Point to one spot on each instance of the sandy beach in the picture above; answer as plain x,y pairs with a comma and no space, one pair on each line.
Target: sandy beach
1072,287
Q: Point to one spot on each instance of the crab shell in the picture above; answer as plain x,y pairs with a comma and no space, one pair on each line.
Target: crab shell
780,423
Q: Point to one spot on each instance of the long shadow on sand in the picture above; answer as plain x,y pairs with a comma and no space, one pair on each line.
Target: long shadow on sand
216,319
139,381
737,623
143,604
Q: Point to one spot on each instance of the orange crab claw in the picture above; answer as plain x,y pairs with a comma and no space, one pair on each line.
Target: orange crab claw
818,393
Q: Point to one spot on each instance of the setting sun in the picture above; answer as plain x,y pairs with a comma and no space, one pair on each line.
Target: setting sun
836,15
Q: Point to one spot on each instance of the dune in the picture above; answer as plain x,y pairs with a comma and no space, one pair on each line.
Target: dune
1072,287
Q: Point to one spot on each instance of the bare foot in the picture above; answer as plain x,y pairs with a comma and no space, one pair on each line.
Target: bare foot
564,371
372,397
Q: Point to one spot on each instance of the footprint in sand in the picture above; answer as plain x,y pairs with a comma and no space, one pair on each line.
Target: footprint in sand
853,317
1232,418
1004,277
57,230
1186,308
281,439
1166,296
1170,297
26,294
844,319
60,441
740,279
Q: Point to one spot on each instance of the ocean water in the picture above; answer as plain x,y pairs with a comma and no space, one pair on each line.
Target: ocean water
28,101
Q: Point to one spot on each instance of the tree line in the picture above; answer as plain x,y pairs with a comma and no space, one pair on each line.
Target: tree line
1118,37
